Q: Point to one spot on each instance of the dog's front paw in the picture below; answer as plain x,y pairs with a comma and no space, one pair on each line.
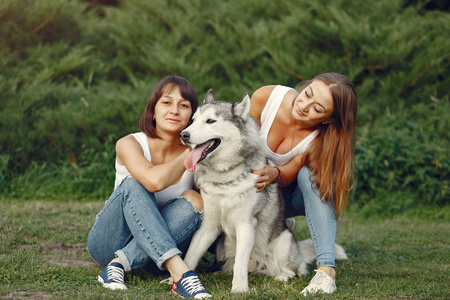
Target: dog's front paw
239,289
239,283
239,286
302,270
282,277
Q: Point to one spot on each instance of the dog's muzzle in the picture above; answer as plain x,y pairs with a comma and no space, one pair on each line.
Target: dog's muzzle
185,136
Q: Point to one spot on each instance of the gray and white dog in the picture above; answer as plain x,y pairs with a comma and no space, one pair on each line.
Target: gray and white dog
226,147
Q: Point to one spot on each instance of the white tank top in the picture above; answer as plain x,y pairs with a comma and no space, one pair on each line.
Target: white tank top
268,115
172,192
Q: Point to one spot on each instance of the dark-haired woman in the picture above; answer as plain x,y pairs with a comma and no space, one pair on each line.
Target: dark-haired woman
309,134
150,217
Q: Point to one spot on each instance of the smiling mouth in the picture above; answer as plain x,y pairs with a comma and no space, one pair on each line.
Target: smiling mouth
300,112
199,153
173,120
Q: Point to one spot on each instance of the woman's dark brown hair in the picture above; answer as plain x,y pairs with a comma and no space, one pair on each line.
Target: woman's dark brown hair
163,87
330,156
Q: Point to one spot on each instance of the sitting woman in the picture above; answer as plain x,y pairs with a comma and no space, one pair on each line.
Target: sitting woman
149,219
310,135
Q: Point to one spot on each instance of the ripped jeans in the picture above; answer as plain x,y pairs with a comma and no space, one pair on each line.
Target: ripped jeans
131,227
303,199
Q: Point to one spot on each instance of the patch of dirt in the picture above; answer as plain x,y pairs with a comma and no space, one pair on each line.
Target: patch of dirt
26,295
65,261
69,262
58,246
62,254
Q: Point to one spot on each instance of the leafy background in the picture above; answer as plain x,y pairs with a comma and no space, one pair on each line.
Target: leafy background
75,77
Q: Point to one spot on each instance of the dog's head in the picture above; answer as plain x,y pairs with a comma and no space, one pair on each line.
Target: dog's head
216,131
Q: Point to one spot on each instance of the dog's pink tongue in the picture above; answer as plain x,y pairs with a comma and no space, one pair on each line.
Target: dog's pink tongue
194,156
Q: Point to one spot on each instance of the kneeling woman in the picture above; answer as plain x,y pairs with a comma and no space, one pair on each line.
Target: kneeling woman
310,135
150,217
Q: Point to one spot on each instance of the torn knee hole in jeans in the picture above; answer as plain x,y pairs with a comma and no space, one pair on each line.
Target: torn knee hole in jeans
187,201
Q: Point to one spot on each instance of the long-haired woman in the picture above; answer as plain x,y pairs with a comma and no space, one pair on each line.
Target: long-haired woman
309,133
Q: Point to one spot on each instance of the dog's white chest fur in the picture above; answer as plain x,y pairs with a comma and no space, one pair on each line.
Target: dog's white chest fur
227,146
228,203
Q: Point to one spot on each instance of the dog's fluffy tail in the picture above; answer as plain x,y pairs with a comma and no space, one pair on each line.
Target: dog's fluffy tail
308,253
340,252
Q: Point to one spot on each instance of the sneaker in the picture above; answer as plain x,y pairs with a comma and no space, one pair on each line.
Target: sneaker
291,224
168,281
189,286
321,283
112,277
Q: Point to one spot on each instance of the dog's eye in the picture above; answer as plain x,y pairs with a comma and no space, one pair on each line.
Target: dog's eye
210,121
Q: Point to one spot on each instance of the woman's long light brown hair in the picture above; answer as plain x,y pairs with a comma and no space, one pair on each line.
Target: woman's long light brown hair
330,155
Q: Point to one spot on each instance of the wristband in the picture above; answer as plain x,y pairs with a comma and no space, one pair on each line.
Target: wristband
279,174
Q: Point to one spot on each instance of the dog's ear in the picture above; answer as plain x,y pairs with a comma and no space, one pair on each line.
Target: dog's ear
242,107
209,97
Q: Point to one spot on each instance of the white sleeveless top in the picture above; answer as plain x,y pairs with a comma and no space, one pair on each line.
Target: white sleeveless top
268,115
172,192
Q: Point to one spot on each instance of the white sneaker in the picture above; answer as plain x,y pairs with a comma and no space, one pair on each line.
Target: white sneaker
321,283
168,281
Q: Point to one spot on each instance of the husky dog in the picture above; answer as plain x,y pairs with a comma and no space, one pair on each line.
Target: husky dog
226,147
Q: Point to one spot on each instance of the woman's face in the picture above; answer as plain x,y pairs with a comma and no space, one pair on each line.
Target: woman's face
172,112
314,104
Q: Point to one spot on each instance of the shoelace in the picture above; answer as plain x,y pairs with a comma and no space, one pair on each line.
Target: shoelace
115,274
193,285
317,280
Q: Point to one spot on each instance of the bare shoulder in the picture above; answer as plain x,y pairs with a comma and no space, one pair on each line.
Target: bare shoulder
128,147
126,141
262,94
259,100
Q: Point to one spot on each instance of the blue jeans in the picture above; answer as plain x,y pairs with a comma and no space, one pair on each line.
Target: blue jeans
303,198
131,227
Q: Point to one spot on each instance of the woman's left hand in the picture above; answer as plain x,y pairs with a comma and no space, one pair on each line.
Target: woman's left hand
266,176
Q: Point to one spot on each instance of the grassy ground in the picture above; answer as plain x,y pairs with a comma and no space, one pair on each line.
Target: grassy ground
43,256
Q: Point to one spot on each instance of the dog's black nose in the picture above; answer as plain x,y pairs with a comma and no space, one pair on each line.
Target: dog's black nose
184,135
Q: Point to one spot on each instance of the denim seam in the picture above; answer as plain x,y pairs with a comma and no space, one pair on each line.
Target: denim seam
108,204
162,257
139,224
313,233
326,263
98,216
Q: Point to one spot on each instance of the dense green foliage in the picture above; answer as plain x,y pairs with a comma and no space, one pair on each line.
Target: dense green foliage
75,75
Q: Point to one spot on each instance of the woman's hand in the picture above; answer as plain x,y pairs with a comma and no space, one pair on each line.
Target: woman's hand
267,176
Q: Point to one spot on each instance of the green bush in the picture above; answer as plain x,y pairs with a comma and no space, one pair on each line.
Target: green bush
405,153
75,76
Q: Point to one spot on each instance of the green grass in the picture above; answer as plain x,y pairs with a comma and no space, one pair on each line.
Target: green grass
43,255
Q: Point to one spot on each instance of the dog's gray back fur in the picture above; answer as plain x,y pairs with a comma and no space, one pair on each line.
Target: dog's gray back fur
228,189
